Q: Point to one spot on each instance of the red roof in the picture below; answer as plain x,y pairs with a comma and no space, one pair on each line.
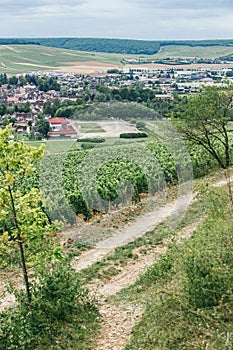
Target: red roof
58,121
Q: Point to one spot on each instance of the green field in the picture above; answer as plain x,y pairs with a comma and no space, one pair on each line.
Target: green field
16,59
89,128
175,51
55,146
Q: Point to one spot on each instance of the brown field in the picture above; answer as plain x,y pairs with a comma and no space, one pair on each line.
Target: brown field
87,67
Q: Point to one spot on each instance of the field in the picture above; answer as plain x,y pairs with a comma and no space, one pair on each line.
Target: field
16,59
109,130
175,51
104,128
86,128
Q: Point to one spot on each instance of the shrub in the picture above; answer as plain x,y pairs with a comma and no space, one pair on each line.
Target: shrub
88,145
140,125
60,314
92,139
133,135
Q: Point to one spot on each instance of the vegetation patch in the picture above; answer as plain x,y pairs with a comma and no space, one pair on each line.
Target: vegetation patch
94,140
188,292
133,135
60,316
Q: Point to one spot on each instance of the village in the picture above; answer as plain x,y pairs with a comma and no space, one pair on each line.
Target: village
24,102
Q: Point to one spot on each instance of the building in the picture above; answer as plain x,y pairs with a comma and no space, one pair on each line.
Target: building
61,127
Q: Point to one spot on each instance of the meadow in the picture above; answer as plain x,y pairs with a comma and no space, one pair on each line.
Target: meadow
175,51
18,59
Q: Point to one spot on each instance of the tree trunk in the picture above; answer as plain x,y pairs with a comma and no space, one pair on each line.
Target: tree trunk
21,250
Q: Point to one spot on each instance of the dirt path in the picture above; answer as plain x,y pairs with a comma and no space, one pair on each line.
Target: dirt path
118,320
127,234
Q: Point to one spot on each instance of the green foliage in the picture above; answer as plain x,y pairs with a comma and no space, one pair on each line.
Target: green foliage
124,46
113,71
25,228
133,135
88,145
116,110
65,192
189,290
140,124
204,122
61,315
90,140
103,45
43,126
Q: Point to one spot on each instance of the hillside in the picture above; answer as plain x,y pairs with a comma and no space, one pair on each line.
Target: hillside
16,59
123,46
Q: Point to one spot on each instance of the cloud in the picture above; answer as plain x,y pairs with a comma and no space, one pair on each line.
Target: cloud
142,19
181,4
36,7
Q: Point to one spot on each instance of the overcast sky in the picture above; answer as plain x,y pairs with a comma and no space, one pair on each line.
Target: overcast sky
136,19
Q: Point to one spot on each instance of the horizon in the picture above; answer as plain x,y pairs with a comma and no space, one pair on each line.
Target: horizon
112,38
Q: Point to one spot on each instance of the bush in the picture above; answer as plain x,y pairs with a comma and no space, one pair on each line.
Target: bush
88,145
61,314
133,135
140,125
92,139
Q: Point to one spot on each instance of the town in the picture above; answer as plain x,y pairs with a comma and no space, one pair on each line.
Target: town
32,100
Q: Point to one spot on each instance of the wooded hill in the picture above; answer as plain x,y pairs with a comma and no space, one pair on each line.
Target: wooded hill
125,46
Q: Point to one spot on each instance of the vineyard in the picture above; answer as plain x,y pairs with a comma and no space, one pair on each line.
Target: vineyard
84,182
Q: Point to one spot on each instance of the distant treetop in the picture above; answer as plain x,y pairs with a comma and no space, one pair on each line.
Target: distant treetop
123,46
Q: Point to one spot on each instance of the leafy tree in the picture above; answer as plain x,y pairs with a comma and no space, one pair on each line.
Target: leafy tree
43,126
3,109
47,107
23,108
204,122
66,112
140,124
24,229
56,104
100,97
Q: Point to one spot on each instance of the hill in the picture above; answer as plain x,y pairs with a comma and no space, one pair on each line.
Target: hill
123,46
23,56
15,59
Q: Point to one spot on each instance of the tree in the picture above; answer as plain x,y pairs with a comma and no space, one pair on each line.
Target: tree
22,222
3,109
43,126
204,122
205,119
47,107
56,104
140,124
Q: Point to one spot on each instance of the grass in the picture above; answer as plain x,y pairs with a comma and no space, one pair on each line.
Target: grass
175,51
188,294
62,146
55,146
23,58
86,128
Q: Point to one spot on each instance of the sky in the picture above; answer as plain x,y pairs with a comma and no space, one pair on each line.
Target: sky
133,19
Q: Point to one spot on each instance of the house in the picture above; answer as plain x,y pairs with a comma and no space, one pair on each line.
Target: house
21,127
61,127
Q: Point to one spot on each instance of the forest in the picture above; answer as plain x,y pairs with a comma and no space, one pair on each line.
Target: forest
108,45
